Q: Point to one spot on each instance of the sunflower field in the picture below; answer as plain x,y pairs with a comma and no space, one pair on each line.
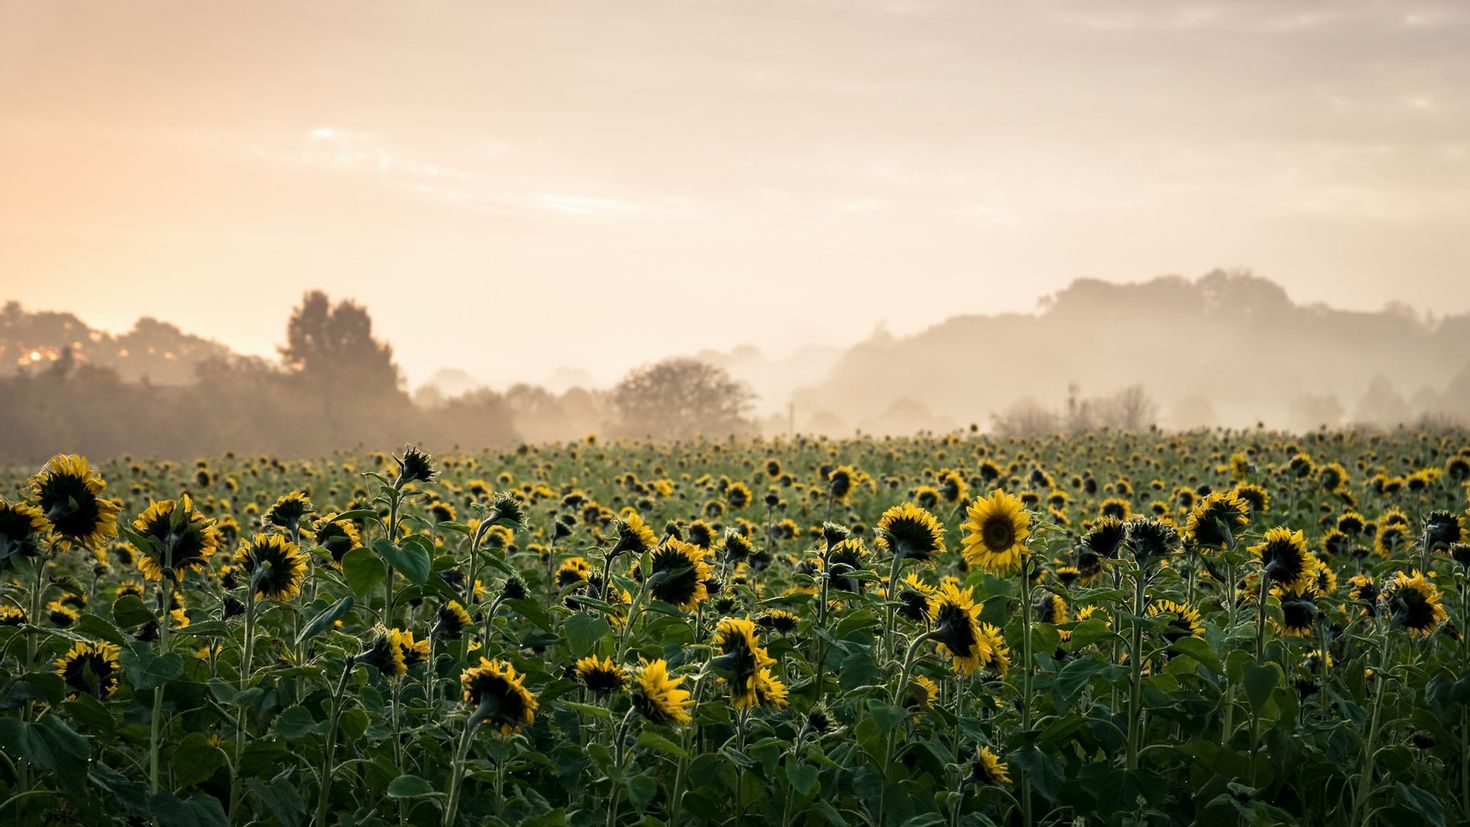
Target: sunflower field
1221,627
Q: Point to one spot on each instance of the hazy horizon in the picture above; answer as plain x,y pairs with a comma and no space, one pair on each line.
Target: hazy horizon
512,189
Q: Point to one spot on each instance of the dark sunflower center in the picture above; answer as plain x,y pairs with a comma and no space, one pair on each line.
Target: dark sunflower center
998,533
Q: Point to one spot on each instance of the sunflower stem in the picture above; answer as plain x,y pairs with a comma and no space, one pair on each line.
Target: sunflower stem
1135,667
1026,678
456,773
155,725
324,796
1365,781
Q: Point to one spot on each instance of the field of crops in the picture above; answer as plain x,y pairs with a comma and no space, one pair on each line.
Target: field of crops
1218,628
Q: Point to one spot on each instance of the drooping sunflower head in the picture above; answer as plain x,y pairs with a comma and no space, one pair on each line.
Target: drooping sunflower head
993,640
450,622
1298,611
1050,608
987,770
740,660
1362,589
1181,619
679,572
915,594
23,529
1442,529
634,535
12,615
737,545
414,466
770,691
68,493
1213,522
921,693
1150,539
657,695
600,676
337,536
275,565
910,532
778,620
846,559
288,510
1256,498
186,539
384,652
498,696
956,627
1104,537
90,668
415,652
1285,559
997,527
1412,602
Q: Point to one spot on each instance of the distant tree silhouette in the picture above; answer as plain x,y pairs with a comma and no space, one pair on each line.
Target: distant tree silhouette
680,399
333,348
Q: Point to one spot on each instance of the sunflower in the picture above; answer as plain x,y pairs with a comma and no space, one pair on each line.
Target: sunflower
998,527
187,542
1150,539
839,483
415,652
1181,620
769,690
12,615
1049,608
910,532
740,660
778,620
1390,539
450,622
384,652
1298,611
1324,581
1411,601
1116,507
921,693
498,695
987,770
1442,529
1351,523
679,572
1103,537
288,511
22,530
91,668
61,615
914,596
738,495
415,466
1285,559
657,696
276,565
956,628
993,639
337,536
601,677
1214,520
952,486
572,571
67,492
1254,496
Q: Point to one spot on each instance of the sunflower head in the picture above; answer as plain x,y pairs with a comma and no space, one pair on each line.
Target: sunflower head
1285,560
1442,529
956,627
337,536
997,526
679,572
414,466
1104,537
68,494
384,652
740,660
987,770
90,668
288,511
450,621
498,696
1255,497
914,595
657,696
183,539
1213,522
1150,539
1298,611
634,536
1050,608
910,532
601,677
778,620
275,566
1412,602
23,529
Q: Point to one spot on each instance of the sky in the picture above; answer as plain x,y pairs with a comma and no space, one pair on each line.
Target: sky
511,187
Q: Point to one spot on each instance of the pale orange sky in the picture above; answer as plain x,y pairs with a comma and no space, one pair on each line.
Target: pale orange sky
511,187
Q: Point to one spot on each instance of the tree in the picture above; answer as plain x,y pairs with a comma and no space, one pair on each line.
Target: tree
333,348
680,399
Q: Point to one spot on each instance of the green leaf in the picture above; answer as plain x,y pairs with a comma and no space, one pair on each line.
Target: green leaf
325,619
409,786
1075,676
1199,650
885,716
147,670
280,798
1089,632
1259,682
195,759
801,777
582,631
652,740
363,570
201,810
94,626
409,559
51,745
128,611
91,714
588,709
295,722
641,789
1422,803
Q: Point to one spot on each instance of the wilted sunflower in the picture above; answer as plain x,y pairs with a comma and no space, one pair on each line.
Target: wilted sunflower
498,695
679,572
1213,522
998,526
415,466
601,677
1285,559
22,530
188,539
90,668
450,622
986,770
1413,603
657,696
288,511
956,627
910,532
740,660
1182,620
68,494
274,564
